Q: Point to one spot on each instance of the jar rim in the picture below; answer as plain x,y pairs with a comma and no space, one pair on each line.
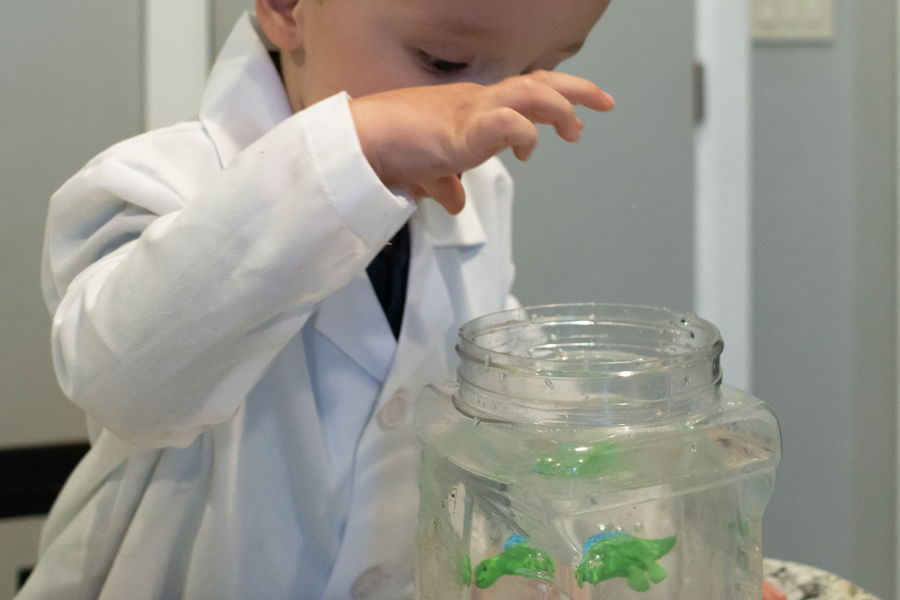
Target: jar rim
689,338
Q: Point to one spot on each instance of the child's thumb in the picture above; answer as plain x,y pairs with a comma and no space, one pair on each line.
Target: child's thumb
446,191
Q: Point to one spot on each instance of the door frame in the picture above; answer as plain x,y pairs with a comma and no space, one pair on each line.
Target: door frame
722,207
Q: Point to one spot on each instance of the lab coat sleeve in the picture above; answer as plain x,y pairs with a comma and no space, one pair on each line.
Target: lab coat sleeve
172,291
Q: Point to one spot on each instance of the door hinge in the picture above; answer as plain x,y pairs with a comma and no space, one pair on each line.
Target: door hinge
699,86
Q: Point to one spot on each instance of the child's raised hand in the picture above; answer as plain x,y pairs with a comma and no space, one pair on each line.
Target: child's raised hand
422,137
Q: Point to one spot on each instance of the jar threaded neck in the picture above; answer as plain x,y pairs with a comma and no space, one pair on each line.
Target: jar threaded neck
586,364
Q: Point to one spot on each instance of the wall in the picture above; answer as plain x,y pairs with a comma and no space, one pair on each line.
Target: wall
611,219
824,280
57,113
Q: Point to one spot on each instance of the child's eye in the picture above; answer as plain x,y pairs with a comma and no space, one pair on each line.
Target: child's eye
441,66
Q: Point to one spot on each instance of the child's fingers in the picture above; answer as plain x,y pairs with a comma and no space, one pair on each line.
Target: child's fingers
500,128
576,90
540,103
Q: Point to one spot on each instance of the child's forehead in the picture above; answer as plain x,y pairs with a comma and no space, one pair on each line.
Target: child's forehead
477,15
502,23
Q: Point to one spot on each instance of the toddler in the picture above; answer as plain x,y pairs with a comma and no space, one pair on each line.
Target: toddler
246,304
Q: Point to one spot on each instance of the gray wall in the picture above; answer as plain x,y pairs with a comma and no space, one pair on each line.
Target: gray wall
824,277
69,87
224,15
611,218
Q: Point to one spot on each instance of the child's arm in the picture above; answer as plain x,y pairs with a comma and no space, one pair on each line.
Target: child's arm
174,284
422,137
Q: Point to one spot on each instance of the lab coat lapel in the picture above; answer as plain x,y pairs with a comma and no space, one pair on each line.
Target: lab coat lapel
353,320
430,315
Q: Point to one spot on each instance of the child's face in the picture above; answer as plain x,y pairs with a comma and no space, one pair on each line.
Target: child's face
367,46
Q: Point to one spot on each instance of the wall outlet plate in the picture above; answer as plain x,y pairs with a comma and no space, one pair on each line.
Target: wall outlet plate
792,20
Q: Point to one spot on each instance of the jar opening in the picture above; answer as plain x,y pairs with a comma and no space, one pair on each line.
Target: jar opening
586,361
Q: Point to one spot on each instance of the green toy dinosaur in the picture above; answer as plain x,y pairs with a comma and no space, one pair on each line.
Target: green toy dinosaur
520,558
578,461
617,554
464,570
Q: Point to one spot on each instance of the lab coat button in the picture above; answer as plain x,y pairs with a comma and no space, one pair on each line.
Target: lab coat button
368,583
393,413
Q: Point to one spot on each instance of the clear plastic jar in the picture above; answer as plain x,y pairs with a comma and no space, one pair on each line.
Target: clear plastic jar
590,451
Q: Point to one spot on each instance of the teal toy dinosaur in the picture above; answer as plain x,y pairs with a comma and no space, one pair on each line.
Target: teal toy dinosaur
617,554
520,558
578,461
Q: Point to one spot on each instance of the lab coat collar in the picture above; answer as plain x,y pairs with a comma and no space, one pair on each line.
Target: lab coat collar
244,96
443,229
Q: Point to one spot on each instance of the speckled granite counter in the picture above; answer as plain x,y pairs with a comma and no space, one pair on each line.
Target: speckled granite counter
801,582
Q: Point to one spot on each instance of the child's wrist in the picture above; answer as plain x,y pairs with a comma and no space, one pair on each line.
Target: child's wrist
366,132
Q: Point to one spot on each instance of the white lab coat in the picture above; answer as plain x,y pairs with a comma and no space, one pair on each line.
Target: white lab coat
249,408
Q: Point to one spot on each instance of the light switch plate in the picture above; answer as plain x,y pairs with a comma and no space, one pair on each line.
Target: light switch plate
792,20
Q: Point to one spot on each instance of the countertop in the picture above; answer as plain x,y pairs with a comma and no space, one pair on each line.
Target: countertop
802,582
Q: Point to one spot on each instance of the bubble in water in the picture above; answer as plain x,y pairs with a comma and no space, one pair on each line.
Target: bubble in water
502,376
487,362
693,447
638,527
548,383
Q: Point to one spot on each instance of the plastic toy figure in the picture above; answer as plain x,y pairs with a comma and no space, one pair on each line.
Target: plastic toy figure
520,558
578,461
618,554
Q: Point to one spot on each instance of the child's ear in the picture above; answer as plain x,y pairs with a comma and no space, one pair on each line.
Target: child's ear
281,20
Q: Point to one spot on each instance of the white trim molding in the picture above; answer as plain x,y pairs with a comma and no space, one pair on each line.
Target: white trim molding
722,215
176,59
